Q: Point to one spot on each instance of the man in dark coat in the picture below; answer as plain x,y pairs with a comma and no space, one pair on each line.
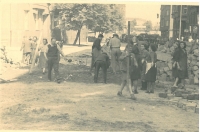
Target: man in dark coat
102,61
96,48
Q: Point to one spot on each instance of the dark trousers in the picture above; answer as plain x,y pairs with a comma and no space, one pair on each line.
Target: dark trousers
103,66
53,63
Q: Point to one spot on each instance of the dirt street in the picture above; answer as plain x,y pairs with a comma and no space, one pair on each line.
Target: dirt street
32,103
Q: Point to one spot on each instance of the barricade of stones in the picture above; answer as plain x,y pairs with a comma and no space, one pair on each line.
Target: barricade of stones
185,99
164,67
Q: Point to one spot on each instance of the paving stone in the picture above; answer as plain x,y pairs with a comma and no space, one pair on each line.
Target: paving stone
173,102
162,95
179,92
170,96
181,103
190,107
193,97
184,96
197,110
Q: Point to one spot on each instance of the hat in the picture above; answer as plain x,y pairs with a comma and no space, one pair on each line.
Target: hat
100,35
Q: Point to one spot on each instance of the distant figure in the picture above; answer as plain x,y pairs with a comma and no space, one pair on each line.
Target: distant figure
42,57
26,47
33,48
115,45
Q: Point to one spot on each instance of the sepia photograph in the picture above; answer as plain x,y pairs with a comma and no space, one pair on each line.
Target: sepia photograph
99,66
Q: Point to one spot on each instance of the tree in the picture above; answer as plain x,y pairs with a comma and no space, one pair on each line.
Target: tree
97,17
148,25
133,23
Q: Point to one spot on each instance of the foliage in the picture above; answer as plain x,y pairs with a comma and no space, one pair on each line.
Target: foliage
148,25
133,24
97,17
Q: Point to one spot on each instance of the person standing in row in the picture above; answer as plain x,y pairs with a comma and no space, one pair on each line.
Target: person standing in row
181,65
150,76
115,45
52,57
26,47
33,48
144,56
96,49
136,69
42,58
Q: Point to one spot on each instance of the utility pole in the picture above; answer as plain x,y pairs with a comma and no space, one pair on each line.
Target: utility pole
129,28
180,23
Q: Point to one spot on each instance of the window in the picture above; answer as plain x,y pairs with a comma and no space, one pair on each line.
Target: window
35,11
161,23
26,20
167,13
185,10
167,23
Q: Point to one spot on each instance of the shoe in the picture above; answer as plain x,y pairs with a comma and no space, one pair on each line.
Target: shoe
135,92
119,93
133,97
58,81
173,89
151,91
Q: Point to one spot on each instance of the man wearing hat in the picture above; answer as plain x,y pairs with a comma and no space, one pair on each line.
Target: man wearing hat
96,48
115,45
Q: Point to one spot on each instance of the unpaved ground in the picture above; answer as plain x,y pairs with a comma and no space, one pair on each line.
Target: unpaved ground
32,103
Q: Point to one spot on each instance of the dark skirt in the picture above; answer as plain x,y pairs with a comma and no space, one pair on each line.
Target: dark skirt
143,70
135,74
150,76
175,72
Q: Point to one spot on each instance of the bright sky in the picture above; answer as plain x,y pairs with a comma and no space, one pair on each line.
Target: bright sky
146,11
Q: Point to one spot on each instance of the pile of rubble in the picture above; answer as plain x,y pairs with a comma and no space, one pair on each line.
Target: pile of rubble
164,64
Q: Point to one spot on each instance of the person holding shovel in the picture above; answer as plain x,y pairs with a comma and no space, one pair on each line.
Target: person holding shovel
127,62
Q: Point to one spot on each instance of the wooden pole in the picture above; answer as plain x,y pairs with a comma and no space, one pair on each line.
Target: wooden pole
180,23
129,28
35,54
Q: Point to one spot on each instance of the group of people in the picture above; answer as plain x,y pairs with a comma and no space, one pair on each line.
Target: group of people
137,61
47,56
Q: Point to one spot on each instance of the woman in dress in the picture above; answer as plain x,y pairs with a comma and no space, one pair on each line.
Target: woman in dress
135,74
150,76
180,65
174,61
144,55
33,48
127,64
42,58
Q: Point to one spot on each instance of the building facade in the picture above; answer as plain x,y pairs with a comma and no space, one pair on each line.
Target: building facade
166,21
21,20
189,20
